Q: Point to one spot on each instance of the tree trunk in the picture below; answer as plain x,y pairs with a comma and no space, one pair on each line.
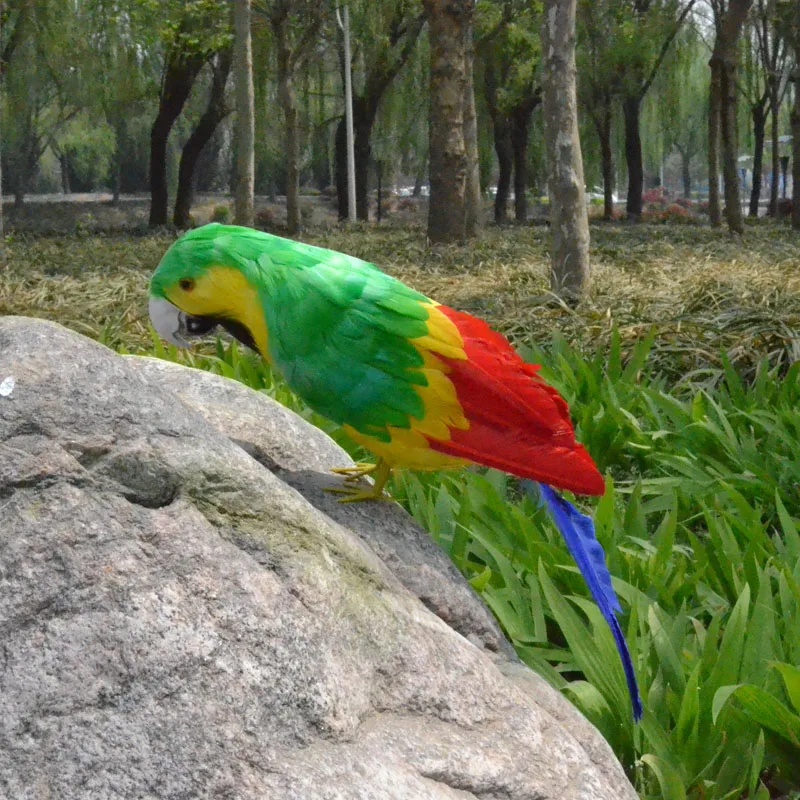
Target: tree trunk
795,126
473,214
759,129
340,162
63,163
632,107
244,199
569,277
686,174
119,130
419,176
505,160
215,112
602,125
180,75
448,21
287,102
364,113
519,142
2,220
730,153
724,61
714,127
774,107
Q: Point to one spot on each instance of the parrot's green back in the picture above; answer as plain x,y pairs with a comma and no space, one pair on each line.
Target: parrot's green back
320,305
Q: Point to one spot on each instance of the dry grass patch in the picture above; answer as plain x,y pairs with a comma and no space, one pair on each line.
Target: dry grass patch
704,292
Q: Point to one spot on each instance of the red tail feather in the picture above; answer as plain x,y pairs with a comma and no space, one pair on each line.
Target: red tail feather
518,423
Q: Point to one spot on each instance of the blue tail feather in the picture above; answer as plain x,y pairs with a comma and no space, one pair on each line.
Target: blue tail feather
578,532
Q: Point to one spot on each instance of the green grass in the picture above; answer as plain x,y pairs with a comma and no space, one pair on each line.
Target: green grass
680,372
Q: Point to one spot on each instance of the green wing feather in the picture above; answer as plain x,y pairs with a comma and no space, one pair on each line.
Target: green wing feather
339,328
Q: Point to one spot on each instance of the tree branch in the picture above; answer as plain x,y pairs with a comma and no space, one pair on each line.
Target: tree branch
665,48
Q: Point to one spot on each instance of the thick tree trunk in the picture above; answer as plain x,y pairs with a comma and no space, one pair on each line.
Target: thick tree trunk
364,112
714,128
730,153
505,160
569,277
519,142
723,63
774,107
473,221
448,21
759,115
631,107
244,199
180,75
215,112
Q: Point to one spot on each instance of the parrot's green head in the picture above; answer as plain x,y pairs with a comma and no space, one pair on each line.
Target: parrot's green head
209,278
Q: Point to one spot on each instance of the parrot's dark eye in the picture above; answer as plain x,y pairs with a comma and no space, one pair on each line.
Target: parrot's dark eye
187,284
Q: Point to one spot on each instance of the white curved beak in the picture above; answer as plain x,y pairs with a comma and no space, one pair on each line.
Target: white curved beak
169,321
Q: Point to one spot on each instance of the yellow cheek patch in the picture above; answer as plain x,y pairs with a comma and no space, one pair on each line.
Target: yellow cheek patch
224,292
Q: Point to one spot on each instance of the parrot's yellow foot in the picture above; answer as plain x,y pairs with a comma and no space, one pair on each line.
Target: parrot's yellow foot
355,472
354,494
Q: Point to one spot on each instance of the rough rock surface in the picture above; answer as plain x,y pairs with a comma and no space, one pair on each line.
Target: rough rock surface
184,614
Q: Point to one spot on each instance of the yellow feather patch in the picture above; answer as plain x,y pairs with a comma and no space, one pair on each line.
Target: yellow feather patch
224,292
442,337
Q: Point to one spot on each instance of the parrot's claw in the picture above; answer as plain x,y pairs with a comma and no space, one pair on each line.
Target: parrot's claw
358,470
354,494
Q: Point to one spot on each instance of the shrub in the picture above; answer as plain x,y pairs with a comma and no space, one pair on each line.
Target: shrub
221,214
265,219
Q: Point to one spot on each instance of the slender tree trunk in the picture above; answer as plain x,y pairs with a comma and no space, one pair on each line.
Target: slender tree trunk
795,124
2,220
714,127
244,199
602,125
180,75
632,107
419,176
686,174
448,20
474,215
505,160
759,129
119,131
63,164
215,112
774,105
287,101
340,162
569,277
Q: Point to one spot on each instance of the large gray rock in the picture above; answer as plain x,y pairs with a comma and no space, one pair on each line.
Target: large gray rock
184,614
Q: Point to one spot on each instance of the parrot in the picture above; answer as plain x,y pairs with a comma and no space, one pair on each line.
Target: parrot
420,385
